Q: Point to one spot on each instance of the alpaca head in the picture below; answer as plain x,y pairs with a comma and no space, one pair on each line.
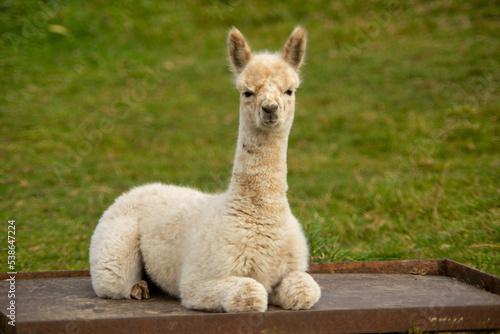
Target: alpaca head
266,81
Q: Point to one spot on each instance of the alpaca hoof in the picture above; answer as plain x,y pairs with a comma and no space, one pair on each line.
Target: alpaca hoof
140,291
296,292
251,297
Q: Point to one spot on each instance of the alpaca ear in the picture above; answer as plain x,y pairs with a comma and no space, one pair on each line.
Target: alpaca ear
295,48
239,51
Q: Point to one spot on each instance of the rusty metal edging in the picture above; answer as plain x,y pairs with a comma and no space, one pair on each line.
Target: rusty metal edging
472,276
46,274
414,267
441,267
411,267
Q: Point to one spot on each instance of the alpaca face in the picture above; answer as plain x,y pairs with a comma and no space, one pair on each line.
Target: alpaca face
267,82
267,88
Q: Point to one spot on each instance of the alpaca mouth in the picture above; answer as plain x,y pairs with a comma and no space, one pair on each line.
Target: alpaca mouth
270,119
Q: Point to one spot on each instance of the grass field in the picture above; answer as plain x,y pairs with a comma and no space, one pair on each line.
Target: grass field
394,152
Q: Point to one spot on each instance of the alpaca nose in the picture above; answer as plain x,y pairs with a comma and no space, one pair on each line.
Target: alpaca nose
270,109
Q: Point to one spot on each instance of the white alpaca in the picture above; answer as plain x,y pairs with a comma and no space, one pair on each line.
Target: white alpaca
232,252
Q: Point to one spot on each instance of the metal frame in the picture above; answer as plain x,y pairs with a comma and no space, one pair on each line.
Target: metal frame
356,318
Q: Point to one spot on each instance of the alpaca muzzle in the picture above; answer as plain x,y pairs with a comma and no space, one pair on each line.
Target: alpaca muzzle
270,113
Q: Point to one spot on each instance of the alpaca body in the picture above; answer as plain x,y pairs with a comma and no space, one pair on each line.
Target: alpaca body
235,251
180,231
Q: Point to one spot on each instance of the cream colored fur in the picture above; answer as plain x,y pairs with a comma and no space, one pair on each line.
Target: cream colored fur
233,252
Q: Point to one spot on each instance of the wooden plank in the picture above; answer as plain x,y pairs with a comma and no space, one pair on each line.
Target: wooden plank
350,303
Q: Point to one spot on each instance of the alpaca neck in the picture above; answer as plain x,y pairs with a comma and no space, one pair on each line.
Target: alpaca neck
260,170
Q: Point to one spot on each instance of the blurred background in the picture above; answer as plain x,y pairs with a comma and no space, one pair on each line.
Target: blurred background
394,153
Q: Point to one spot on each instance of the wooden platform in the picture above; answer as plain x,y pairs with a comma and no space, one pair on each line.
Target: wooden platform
358,297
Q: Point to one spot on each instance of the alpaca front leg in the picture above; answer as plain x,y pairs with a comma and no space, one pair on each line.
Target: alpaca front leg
296,291
232,294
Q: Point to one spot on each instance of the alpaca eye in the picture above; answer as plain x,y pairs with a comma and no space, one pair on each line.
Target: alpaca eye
289,92
248,94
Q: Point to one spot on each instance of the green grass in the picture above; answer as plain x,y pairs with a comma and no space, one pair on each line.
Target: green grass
394,152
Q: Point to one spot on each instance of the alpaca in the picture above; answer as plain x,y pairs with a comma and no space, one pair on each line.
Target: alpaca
237,251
